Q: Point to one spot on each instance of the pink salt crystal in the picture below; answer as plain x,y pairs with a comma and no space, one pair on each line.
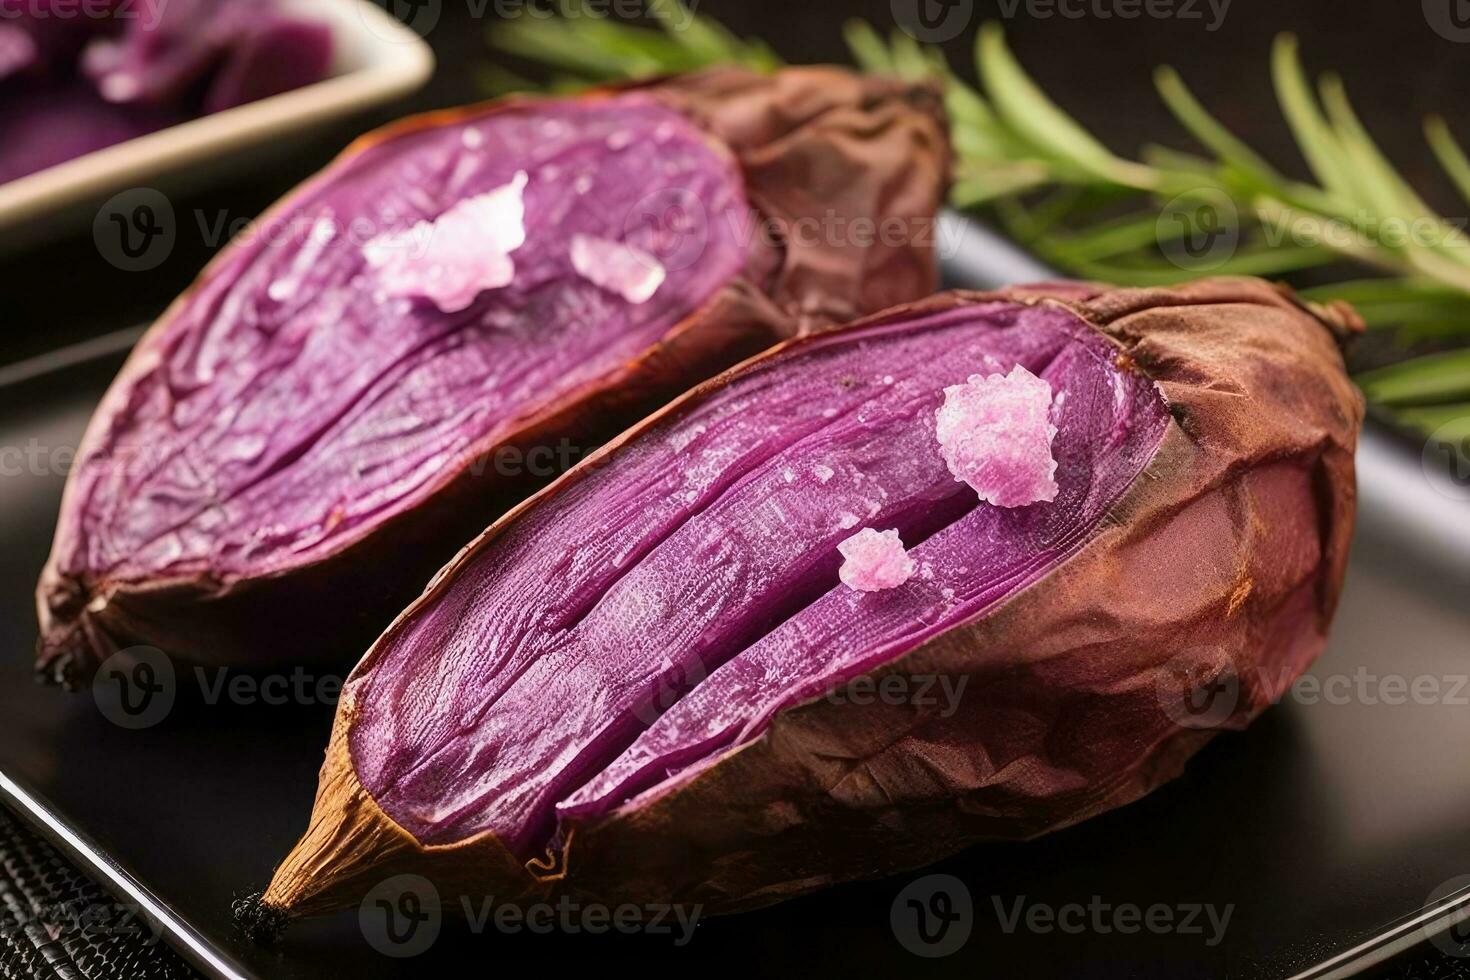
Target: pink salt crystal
874,560
455,257
995,434
630,272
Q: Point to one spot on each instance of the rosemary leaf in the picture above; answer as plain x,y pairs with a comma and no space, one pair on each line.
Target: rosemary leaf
1450,423
1029,112
1202,126
1313,134
1058,190
1451,157
1434,379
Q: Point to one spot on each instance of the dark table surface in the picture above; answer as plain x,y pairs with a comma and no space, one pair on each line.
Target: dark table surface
1336,816
1399,61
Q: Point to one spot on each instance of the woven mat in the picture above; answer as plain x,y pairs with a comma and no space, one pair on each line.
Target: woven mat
56,924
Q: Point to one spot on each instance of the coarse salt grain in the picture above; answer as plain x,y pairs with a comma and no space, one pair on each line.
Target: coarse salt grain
455,257
630,272
874,560
995,434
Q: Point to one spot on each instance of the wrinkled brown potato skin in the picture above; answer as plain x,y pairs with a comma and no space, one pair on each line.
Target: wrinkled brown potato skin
810,141
1223,561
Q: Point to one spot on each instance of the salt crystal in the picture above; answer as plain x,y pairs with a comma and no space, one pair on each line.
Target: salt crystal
874,560
995,434
630,272
455,257
823,473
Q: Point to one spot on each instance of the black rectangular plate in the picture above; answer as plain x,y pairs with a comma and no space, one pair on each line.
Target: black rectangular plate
1326,826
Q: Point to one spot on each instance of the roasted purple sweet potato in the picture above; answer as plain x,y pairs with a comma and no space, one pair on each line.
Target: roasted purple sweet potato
322,420
632,687
237,51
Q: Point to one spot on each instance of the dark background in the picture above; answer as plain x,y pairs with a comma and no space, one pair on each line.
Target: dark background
1396,67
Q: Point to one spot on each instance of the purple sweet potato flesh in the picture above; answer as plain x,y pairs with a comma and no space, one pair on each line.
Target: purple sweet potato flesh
75,78
290,406
155,60
55,31
45,129
276,54
662,609
455,310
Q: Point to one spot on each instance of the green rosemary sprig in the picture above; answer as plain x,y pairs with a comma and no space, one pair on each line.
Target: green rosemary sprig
1046,178
1062,193
592,48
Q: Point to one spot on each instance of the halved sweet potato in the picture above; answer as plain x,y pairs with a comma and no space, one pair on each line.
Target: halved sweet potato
636,687
326,415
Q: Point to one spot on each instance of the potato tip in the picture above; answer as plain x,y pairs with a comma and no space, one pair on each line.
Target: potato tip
263,922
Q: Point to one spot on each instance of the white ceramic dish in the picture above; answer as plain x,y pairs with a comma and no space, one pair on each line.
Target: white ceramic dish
375,59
